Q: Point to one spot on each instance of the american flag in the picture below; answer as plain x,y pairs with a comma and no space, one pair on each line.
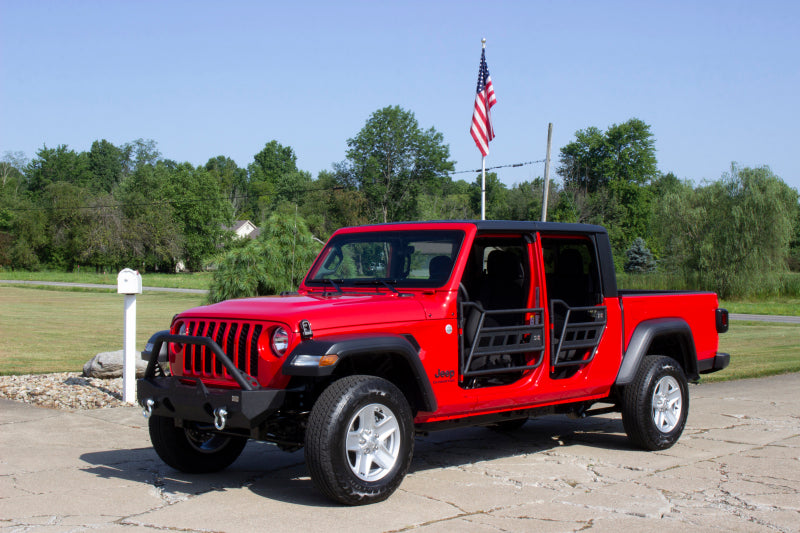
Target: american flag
481,129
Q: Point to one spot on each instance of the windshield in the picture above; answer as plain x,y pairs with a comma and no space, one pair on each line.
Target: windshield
388,258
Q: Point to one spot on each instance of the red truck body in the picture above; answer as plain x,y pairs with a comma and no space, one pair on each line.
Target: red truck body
472,322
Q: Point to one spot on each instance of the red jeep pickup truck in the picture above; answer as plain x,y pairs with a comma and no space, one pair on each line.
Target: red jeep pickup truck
399,329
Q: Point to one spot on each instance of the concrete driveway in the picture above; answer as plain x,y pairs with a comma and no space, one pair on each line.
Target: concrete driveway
737,468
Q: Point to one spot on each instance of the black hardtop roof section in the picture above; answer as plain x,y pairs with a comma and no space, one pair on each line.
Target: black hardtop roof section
545,227
512,225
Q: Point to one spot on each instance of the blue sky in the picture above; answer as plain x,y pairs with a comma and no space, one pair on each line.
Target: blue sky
718,81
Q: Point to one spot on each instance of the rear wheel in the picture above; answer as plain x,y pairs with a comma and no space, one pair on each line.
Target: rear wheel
359,440
655,405
193,449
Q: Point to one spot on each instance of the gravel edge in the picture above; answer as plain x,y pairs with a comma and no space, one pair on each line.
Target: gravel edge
64,390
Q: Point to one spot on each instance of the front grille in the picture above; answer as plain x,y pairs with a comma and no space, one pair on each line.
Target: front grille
239,341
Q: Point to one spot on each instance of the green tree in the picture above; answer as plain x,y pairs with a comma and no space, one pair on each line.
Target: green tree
106,163
794,246
199,209
272,176
329,205
392,160
449,201
274,262
104,242
67,220
232,182
139,153
152,233
731,235
60,164
12,178
525,200
581,163
496,197
27,235
607,174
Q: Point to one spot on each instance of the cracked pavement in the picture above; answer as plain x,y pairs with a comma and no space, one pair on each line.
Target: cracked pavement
736,468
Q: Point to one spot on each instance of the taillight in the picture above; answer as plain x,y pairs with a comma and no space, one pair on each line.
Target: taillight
722,320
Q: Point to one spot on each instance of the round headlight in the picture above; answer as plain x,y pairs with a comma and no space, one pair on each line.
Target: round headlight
280,341
178,329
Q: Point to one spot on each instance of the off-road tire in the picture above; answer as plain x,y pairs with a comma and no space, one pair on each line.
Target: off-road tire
348,464
656,403
192,450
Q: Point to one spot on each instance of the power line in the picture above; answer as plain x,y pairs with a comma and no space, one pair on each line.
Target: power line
500,166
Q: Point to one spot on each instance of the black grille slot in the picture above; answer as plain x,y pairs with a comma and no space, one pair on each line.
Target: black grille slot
253,350
207,356
239,341
231,341
219,339
242,344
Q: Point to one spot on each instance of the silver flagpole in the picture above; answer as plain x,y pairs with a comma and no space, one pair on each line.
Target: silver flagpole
483,188
483,160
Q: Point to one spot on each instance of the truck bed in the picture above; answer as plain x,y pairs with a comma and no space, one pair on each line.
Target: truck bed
697,309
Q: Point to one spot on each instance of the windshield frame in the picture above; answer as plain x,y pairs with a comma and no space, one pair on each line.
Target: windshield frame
405,263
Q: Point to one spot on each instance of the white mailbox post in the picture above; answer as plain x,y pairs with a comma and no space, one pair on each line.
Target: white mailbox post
129,283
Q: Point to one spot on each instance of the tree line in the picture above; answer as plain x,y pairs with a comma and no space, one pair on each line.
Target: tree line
127,205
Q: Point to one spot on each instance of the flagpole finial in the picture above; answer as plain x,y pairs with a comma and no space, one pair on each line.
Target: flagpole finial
483,42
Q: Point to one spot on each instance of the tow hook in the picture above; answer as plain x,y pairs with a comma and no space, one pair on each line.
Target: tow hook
220,418
147,407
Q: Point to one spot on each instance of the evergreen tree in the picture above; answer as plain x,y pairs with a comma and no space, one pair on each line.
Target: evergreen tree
639,257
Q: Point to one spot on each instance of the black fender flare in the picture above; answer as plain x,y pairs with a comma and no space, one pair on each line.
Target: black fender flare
644,335
345,346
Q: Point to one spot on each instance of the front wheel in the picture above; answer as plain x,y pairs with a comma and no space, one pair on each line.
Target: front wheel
359,440
193,449
655,405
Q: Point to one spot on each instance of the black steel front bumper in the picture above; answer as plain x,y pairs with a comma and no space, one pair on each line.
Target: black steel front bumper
246,409
190,399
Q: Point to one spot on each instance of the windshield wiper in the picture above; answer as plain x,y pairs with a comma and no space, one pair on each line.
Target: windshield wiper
333,282
388,283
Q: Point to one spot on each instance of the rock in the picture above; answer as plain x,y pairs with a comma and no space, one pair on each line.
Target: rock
107,365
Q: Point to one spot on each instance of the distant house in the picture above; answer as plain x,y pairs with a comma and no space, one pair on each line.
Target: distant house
243,229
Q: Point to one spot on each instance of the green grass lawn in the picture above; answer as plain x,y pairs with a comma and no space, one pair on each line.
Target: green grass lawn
759,349
58,331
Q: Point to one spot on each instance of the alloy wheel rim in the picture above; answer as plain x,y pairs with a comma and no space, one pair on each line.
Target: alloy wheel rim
667,404
373,442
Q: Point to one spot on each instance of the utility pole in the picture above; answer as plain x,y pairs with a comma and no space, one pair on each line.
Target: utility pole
546,187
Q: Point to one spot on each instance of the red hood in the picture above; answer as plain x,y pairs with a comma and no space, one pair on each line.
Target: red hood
323,312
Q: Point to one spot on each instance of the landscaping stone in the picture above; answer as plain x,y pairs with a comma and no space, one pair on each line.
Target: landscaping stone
107,365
